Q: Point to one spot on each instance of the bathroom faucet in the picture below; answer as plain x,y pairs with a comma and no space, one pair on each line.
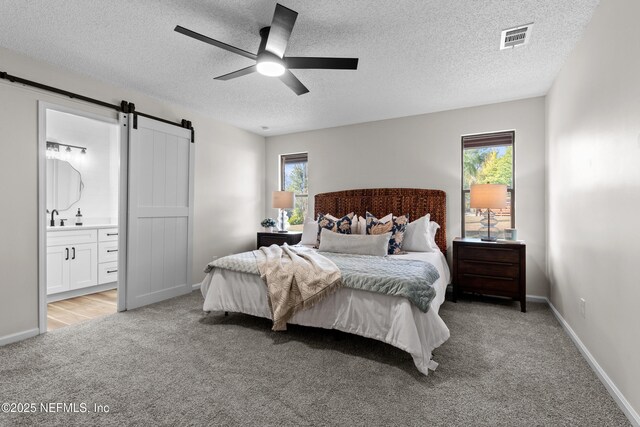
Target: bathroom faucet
53,223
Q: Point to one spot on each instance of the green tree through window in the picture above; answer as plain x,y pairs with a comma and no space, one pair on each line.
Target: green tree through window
294,178
487,159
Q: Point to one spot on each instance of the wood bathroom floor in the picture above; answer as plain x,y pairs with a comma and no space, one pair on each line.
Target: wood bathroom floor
80,309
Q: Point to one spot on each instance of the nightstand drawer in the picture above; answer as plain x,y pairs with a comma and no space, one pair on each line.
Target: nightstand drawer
486,283
488,268
272,240
488,253
268,239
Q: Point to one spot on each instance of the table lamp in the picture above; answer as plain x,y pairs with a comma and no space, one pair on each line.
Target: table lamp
488,196
282,200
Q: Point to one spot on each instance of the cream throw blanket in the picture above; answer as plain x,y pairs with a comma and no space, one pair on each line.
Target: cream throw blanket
296,279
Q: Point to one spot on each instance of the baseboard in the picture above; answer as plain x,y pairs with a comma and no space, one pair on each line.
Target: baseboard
617,395
537,298
19,336
195,287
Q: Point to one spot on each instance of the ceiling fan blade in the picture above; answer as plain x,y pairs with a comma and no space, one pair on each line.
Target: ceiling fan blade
294,62
280,31
238,73
294,84
213,42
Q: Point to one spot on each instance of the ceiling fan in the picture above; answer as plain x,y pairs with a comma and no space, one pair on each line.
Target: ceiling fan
270,59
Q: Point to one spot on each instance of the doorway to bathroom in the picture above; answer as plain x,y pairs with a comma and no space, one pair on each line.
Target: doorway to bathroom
80,197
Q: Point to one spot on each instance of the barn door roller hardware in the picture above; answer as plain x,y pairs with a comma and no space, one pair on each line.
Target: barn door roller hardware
124,107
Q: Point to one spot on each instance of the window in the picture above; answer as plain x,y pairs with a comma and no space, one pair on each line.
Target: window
293,177
487,159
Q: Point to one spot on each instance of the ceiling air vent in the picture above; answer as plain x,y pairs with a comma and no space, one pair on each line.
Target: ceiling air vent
517,36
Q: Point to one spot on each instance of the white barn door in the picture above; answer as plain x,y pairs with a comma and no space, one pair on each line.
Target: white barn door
160,220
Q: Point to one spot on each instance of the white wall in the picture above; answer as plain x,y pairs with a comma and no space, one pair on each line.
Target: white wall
425,152
593,125
229,179
98,167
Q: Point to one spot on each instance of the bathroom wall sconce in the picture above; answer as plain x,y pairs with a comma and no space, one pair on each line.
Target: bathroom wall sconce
55,146
53,150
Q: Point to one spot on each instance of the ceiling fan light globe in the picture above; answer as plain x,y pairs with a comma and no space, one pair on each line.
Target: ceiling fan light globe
269,64
270,68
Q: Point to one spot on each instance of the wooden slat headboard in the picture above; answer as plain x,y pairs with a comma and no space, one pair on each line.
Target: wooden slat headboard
417,202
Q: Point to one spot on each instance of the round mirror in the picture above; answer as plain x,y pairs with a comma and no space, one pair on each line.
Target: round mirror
64,185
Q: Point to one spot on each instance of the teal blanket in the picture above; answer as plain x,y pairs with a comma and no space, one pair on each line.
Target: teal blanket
390,276
411,279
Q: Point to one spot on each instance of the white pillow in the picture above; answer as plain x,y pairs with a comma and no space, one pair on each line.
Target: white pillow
416,236
362,225
309,232
358,244
354,222
433,229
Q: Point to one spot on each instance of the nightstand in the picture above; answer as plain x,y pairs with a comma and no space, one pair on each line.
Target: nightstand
268,239
490,268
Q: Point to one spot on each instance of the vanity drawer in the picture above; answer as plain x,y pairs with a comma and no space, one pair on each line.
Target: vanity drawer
108,234
71,237
108,251
107,272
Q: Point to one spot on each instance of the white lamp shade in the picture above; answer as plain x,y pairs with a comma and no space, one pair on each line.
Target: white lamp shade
282,199
488,196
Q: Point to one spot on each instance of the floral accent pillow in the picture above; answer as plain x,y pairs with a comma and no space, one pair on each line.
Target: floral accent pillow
396,226
341,225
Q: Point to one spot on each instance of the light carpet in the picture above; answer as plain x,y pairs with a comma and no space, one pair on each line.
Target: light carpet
170,364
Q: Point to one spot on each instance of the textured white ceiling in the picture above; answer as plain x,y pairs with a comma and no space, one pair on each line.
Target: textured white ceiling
416,56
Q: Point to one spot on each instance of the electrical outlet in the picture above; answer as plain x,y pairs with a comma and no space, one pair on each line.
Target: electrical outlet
583,308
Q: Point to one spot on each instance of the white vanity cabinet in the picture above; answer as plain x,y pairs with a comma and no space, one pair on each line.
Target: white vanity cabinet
81,260
72,260
108,255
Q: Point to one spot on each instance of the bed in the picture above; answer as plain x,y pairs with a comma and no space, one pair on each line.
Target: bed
391,319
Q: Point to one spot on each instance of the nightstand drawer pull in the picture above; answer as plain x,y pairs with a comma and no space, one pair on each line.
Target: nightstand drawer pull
483,276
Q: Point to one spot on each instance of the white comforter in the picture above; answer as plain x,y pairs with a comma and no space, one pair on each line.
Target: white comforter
390,319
